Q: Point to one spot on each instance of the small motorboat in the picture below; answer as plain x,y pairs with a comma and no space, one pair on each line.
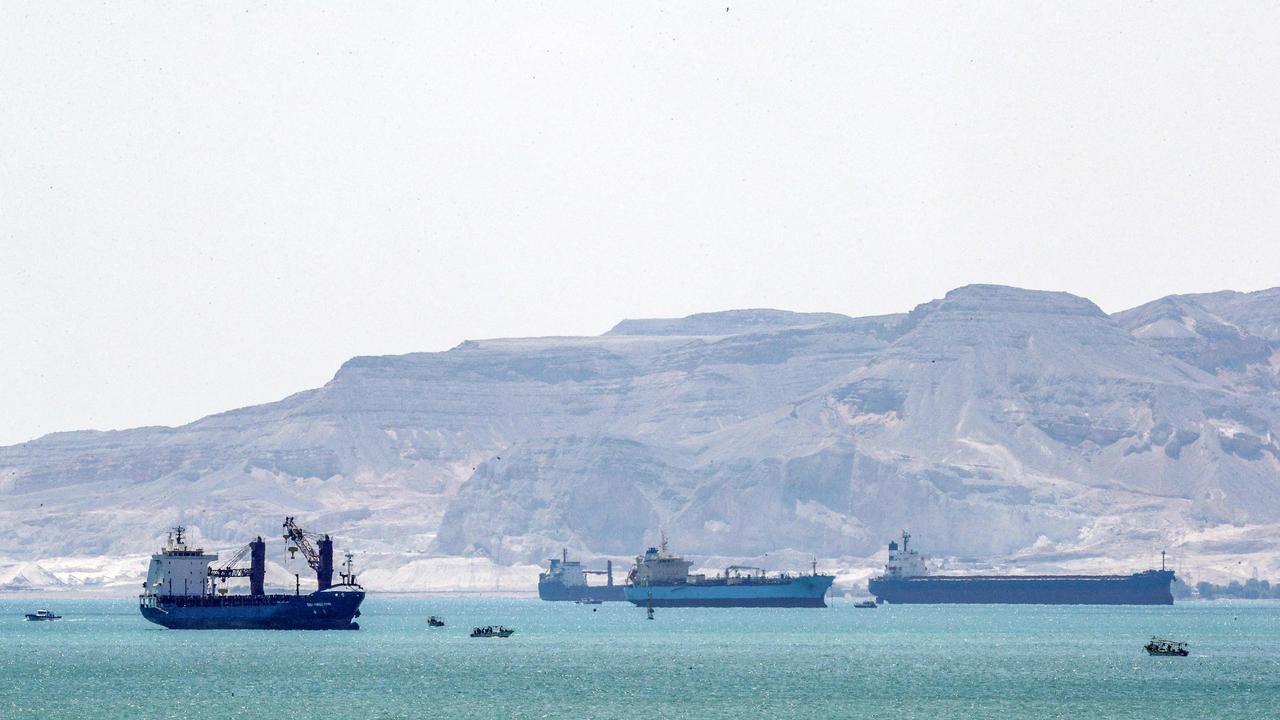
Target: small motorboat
589,601
866,604
1161,646
434,621
492,631
42,615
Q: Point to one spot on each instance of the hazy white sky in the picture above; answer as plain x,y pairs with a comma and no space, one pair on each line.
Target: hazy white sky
204,208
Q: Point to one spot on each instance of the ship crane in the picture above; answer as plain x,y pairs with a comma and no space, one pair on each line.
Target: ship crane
607,573
319,556
256,572
228,569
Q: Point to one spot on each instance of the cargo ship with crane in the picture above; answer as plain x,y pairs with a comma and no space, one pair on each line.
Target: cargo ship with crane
567,580
184,590
906,580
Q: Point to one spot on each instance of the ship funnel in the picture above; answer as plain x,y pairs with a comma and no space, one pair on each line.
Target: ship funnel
324,571
257,566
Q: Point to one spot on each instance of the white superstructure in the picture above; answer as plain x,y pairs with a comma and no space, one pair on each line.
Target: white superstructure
904,563
569,572
177,569
659,567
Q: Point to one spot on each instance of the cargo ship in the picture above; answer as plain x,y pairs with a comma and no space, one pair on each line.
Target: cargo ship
566,580
184,591
660,579
906,580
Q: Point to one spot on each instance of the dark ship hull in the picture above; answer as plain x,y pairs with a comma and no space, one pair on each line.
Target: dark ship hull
1144,588
334,609
551,589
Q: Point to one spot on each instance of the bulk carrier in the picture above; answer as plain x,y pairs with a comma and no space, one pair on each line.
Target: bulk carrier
566,580
660,579
906,580
182,588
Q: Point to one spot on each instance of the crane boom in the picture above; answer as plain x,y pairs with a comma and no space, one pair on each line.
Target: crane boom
297,536
256,572
320,560
227,568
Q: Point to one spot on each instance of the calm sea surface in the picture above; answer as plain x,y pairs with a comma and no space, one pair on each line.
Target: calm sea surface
566,661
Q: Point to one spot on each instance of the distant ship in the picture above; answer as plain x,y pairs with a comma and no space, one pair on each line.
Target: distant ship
660,579
181,591
42,615
566,580
906,580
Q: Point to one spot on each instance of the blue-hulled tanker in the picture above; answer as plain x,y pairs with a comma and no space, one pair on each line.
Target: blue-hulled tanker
660,579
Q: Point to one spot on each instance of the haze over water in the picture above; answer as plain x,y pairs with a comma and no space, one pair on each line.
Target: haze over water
568,661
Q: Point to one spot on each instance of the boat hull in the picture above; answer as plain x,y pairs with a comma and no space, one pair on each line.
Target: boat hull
557,591
805,591
1146,588
327,610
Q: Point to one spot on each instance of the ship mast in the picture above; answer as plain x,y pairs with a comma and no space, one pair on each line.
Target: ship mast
349,577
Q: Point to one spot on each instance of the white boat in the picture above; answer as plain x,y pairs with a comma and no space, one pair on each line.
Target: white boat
43,615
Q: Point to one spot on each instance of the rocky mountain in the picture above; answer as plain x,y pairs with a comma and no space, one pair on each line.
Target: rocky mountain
1013,427
1235,336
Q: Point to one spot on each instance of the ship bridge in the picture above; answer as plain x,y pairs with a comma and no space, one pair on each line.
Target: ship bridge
178,570
903,562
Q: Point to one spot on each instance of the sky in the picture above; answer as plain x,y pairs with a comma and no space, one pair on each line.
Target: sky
210,205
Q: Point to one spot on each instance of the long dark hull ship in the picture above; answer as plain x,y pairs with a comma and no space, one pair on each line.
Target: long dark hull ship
1144,588
905,581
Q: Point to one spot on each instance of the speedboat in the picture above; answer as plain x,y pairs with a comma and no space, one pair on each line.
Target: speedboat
43,615
492,631
1161,646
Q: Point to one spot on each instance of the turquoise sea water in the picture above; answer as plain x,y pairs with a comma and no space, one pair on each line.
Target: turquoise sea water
566,661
